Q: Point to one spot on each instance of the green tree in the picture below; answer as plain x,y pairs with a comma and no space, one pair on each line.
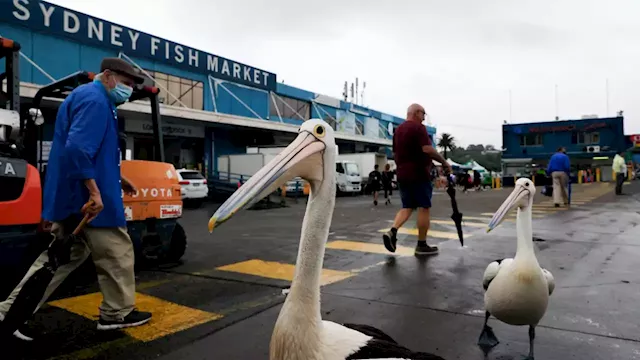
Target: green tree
446,142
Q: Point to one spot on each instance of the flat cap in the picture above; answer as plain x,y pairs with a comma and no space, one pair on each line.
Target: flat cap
122,67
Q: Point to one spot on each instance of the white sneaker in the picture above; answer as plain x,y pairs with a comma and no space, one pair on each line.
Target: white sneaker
18,334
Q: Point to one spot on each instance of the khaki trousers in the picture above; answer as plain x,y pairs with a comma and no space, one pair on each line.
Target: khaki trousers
560,183
112,253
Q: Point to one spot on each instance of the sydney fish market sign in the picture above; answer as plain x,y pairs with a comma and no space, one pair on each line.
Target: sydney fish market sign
56,20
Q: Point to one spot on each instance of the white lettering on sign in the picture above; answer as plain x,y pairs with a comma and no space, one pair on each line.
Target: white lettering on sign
57,20
146,127
153,192
170,211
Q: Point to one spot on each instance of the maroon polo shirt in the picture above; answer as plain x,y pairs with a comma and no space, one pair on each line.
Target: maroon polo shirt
412,164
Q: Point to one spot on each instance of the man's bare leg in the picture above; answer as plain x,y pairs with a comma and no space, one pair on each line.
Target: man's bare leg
401,217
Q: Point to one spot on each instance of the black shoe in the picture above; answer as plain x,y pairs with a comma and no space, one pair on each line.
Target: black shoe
557,205
426,250
135,318
390,240
375,202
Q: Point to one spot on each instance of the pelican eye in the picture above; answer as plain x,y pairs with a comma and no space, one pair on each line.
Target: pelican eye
319,131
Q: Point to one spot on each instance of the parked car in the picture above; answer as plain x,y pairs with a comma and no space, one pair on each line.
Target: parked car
194,186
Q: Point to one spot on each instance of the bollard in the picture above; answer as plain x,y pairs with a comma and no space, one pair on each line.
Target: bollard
307,188
597,174
493,183
579,176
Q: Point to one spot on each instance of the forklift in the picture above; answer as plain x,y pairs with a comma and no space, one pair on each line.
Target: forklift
21,233
152,214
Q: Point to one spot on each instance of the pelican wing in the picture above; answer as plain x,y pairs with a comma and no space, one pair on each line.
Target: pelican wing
492,271
550,280
355,341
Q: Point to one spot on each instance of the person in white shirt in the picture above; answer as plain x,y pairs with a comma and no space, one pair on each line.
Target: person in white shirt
620,168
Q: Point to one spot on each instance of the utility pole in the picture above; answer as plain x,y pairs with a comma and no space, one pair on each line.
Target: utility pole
345,93
357,91
556,100
607,92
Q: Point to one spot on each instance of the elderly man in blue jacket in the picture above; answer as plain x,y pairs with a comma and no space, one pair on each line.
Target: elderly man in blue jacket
84,166
559,168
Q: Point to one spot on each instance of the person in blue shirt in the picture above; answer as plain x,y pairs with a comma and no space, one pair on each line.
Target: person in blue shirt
84,168
559,169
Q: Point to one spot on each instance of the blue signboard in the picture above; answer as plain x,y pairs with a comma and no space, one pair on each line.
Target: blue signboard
56,20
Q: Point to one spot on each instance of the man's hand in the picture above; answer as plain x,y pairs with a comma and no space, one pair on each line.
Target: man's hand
94,206
128,187
447,168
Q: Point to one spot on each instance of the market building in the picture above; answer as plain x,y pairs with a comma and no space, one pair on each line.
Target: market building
591,144
211,106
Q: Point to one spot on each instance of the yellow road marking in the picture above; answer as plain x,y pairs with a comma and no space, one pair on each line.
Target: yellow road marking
487,219
431,233
451,222
280,271
368,247
168,317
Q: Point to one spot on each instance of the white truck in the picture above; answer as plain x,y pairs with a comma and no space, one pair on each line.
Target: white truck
239,167
348,177
366,162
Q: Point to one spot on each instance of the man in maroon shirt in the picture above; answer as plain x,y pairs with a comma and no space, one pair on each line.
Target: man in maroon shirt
413,154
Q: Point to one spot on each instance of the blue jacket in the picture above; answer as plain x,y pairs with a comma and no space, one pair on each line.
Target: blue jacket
85,146
559,162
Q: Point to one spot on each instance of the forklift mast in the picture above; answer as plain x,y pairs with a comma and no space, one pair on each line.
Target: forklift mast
9,100
61,88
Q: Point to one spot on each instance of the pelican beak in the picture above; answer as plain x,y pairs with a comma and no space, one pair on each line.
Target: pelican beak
303,157
515,198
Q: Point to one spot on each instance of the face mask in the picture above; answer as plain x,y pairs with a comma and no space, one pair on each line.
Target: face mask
121,93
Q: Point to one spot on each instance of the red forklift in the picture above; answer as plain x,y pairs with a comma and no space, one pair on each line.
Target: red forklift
152,221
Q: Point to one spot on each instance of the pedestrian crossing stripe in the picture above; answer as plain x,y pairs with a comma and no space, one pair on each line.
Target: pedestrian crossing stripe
280,271
451,222
431,233
368,247
168,318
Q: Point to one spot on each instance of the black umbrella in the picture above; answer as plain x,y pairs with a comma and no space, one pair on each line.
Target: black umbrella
25,303
457,215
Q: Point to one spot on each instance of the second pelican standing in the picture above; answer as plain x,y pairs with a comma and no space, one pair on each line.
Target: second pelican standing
517,289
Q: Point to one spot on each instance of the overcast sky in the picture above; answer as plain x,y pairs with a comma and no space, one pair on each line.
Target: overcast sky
459,59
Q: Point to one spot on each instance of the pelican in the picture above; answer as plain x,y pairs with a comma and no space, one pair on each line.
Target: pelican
300,333
516,289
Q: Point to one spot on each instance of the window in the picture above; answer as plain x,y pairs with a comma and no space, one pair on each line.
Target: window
352,169
359,127
339,168
190,92
585,137
531,140
287,112
191,175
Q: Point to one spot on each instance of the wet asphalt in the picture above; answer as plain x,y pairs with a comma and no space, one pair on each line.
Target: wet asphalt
209,307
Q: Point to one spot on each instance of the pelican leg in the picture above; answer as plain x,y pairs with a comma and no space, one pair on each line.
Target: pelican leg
532,336
487,338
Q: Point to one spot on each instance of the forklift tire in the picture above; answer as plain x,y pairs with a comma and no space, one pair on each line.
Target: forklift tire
178,244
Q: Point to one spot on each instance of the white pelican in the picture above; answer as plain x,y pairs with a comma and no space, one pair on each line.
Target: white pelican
300,333
517,289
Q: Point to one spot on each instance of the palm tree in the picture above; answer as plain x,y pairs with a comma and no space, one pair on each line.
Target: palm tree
446,142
